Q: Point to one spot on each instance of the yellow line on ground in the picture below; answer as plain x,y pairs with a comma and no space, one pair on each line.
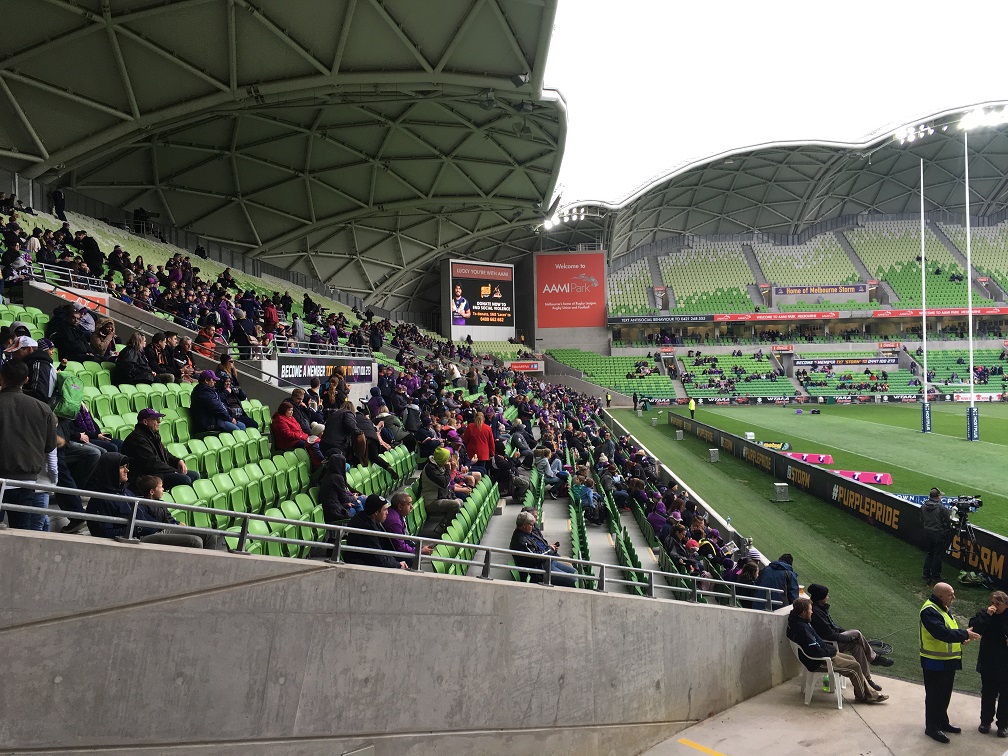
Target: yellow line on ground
651,552
611,543
698,747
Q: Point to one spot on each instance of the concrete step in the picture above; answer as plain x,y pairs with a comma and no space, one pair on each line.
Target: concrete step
754,265
994,292
852,255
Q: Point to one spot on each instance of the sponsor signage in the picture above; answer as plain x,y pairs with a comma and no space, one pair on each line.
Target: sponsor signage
979,396
783,291
848,361
782,348
643,319
660,298
667,350
96,303
482,294
764,317
890,345
299,369
938,312
882,510
983,279
526,366
570,290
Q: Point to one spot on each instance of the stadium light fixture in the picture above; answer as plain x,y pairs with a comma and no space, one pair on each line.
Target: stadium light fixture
520,80
487,100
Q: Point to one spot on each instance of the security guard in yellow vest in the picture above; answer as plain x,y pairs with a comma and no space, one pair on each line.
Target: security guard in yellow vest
941,655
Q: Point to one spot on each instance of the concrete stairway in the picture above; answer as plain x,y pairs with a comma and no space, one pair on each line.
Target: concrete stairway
756,295
852,255
657,280
754,265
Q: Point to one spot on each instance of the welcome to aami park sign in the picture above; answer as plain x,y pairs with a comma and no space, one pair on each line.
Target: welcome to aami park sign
878,508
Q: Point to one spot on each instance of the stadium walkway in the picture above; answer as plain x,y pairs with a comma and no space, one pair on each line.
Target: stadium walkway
778,722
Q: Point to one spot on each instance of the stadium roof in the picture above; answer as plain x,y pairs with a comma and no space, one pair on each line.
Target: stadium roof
359,140
786,188
363,141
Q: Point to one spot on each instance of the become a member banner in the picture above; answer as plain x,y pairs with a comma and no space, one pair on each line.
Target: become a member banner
299,369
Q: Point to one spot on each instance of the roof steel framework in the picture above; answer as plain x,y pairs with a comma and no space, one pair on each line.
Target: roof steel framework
362,141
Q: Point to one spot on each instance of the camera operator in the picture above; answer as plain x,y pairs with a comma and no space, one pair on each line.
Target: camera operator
937,524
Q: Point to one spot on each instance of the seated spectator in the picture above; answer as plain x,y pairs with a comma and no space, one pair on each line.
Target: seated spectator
159,359
311,421
848,641
520,442
111,477
103,341
392,429
781,575
41,372
401,506
552,472
148,455
232,397
339,503
527,539
813,649
375,445
131,364
287,434
207,412
372,518
435,486
69,336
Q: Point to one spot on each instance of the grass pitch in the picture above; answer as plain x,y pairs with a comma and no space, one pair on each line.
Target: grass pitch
873,578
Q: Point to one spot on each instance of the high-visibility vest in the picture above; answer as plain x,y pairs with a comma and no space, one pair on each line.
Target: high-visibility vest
931,647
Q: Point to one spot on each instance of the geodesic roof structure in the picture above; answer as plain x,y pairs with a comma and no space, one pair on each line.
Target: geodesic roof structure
785,188
357,140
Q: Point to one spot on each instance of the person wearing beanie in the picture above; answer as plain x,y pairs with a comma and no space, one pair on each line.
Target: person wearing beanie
850,642
372,519
435,487
813,649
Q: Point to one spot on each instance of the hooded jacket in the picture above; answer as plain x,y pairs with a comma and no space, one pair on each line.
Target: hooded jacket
106,480
207,408
782,576
936,520
334,495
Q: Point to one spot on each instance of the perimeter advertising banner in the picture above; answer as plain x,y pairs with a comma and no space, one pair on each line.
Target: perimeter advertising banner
480,297
877,508
570,290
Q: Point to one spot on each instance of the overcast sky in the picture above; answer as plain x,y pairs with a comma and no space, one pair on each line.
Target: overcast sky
650,84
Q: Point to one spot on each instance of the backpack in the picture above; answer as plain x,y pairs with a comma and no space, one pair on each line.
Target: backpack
67,397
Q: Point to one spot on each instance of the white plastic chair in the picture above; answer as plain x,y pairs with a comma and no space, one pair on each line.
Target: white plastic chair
811,680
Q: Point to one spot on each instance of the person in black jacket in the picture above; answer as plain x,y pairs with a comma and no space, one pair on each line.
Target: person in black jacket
341,431
992,662
65,331
149,456
372,518
208,412
306,417
850,642
527,539
338,502
110,478
813,649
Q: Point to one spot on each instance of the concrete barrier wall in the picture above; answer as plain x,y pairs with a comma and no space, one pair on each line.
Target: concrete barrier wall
159,649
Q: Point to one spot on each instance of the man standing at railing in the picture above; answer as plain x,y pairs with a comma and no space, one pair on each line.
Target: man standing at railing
28,440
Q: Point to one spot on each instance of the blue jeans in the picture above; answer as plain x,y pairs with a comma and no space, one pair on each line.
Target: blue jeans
563,574
224,425
28,498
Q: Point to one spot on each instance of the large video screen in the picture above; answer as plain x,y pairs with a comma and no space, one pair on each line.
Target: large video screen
480,300
570,290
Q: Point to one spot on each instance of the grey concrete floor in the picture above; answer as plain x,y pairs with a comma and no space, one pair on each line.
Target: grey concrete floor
778,722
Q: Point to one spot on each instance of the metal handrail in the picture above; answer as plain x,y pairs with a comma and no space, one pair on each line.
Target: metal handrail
414,561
